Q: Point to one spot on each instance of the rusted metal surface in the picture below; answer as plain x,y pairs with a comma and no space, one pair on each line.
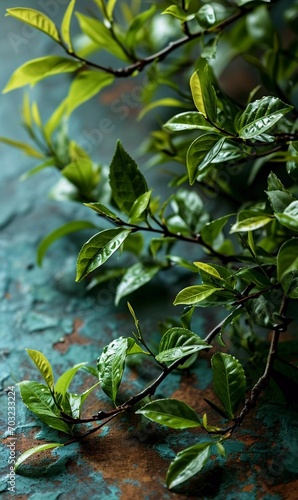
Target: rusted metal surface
43,309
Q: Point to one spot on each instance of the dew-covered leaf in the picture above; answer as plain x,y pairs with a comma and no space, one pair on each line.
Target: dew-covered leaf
99,249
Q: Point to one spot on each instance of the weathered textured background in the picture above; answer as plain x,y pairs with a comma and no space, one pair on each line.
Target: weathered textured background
42,308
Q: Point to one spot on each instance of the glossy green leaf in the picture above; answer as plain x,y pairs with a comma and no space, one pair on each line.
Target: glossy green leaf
39,69
43,365
292,163
65,25
203,92
37,449
26,148
260,116
86,85
201,153
36,19
179,342
251,223
38,399
189,120
287,258
172,413
101,35
192,295
229,381
126,180
76,401
99,249
139,207
289,218
111,366
68,228
207,268
188,463
279,200
136,276
65,379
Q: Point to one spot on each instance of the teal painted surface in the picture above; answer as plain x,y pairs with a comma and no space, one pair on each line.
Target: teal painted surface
42,308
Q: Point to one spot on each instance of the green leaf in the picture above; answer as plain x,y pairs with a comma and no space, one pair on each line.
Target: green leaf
211,233
43,365
251,223
38,399
137,23
172,413
287,258
55,119
260,116
102,210
68,228
229,381
201,153
208,269
39,69
36,19
289,283
86,85
99,249
203,92
36,170
253,275
190,120
26,148
83,175
192,295
188,463
65,25
126,180
37,449
292,163
139,207
136,276
289,218
111,366
179,342
101,35
65,379
279,200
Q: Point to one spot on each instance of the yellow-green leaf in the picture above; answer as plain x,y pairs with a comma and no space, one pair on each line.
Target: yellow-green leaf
86,85
36,19
65,25
43,365
38,69
208,269
26,148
